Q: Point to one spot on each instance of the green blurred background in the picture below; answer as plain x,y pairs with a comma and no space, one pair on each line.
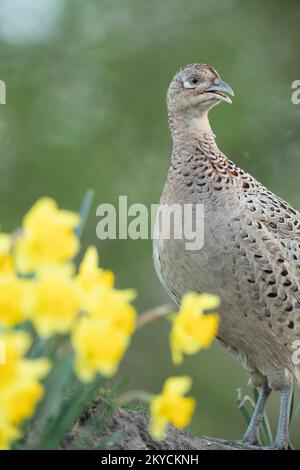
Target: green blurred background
86,83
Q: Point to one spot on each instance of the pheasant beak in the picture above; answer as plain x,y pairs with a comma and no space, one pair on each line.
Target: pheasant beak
219,90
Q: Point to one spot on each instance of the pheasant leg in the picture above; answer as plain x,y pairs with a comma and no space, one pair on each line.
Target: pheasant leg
250,439
282,440
251,436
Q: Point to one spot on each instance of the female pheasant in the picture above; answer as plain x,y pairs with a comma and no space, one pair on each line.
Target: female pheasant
251,252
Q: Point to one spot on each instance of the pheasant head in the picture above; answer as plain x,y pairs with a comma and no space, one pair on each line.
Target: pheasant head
195,89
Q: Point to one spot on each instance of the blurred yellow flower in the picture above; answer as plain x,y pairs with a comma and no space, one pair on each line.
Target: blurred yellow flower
99,347
12,300
16,367
171,406
20,399
101,336
8,433
55,301
90,276
6,259
192,329
20,389
16,344
115,305
48,236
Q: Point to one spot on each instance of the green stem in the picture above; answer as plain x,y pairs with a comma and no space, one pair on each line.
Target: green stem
84,211
151,315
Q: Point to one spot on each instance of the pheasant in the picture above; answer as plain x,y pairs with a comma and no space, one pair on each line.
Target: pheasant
251,252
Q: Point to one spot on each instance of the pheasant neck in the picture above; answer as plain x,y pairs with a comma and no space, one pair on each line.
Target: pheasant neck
192,133
197,163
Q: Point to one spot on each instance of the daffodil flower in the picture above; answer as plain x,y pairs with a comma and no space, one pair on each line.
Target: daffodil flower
101,336
91,277
8,432
99,347
115,305
171,406
6,258
192,329
48,236
13,299
55,300
20,387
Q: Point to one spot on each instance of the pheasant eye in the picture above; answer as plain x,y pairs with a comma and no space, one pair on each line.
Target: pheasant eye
191,82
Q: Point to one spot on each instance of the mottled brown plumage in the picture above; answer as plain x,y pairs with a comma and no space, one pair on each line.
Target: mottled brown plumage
251,253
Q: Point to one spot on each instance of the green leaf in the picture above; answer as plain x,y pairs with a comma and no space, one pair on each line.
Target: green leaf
72,409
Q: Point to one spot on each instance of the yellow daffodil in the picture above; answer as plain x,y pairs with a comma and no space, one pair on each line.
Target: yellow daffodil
16,367
99,347
6,259
192,329
48,236
8,433
101,337
20,388
21,395
15,345
171,406
55,301
115,305
20,399
91,277
12,299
